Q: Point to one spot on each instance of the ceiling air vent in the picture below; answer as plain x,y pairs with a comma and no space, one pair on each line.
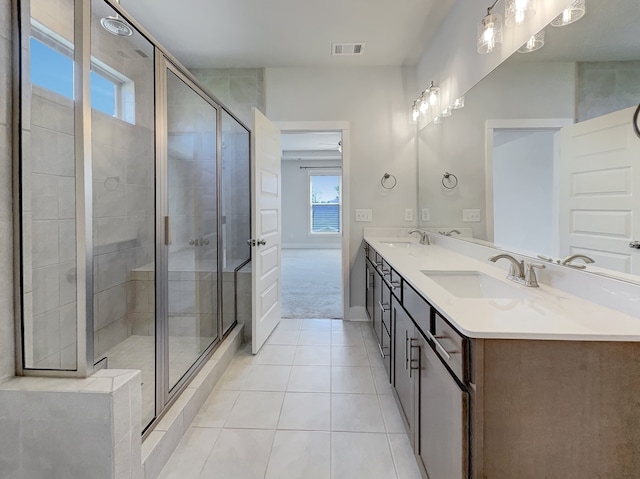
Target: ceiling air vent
347,48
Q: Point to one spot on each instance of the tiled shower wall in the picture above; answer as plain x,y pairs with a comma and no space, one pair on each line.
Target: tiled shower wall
7,364
239,89
605,87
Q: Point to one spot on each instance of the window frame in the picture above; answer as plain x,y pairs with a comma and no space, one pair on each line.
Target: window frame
327,172
124,101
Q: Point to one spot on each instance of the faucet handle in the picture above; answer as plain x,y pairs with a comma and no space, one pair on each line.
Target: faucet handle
530,279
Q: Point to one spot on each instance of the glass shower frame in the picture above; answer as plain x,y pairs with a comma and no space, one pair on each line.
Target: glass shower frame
164,61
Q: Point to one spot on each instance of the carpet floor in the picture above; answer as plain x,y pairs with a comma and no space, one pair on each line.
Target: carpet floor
311,283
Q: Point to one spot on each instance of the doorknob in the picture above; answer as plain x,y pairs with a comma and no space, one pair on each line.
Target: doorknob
261,242
634,245
251,242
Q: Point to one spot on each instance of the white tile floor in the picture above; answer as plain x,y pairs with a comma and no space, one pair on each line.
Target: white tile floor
313,404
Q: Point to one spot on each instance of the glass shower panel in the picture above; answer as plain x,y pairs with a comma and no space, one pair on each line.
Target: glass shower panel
193,281
123,153
48,191
236,224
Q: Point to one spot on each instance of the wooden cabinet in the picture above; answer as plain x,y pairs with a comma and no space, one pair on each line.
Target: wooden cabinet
404,366
442,444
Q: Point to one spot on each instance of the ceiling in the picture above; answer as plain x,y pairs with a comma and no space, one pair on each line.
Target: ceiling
319,145
281,33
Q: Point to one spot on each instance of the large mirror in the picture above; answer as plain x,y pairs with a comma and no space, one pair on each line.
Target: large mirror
544,150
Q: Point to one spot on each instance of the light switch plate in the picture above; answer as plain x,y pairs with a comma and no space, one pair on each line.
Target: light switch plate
364,216
425,214
408,214
471,216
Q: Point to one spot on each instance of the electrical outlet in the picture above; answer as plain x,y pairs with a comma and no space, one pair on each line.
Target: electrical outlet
471,216
365,216
425,214
408,214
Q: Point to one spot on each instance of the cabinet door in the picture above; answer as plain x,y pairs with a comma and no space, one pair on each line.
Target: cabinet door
404,376
443,436
370,272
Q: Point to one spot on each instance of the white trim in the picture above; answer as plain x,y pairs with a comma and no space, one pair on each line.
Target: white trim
343,127
553,124
312,245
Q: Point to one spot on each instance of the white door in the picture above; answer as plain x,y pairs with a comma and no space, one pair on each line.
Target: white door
265,229
600,190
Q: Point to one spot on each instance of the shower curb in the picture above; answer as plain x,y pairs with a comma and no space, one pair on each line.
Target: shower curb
163,440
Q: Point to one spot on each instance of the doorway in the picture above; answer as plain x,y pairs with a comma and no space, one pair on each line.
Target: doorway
312,224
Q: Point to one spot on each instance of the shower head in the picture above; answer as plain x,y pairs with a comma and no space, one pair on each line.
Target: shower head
116,26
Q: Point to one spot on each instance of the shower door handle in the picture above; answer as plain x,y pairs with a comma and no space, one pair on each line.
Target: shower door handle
167,230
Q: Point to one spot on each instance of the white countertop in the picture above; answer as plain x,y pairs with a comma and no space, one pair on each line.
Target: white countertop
550,314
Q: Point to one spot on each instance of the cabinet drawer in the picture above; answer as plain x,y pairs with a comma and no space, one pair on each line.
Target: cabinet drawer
371,254
417,307
452,347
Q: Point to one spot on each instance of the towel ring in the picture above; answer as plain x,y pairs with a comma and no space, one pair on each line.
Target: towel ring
452,182
384,179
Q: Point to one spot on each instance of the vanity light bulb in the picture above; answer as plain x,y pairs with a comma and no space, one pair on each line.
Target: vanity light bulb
536,42
574,12
489,33
459,103
517,10
424,106
415,114
433,96
446,112
437,119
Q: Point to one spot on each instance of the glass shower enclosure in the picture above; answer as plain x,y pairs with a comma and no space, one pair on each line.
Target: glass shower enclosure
133,204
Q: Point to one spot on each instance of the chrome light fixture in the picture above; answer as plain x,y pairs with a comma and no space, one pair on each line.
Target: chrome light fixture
415,112
446,112
517,10
574,12
489,31
536,42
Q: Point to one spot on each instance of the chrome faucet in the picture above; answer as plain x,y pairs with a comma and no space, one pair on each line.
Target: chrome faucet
516,271
424,236
567,261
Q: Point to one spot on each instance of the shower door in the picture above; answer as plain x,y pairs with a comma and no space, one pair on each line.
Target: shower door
191,309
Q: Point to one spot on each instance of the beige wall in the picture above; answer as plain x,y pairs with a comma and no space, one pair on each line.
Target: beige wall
376,101
7,364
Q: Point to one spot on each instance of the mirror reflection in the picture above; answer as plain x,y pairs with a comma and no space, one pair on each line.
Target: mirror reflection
544,150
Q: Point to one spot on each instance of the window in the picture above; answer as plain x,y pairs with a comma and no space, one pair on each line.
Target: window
52,69
325,203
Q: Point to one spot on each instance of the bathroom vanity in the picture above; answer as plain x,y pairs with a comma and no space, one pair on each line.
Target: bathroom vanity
498,380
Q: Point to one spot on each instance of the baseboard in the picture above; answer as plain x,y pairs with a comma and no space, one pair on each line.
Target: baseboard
357,313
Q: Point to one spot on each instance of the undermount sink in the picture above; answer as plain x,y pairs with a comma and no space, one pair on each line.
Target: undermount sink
474,284
400,244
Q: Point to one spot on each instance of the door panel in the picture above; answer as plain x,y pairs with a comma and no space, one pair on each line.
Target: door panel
193,288
600,187
265,229
443,435
403,377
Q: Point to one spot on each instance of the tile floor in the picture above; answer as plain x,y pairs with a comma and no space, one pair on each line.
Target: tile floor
313,404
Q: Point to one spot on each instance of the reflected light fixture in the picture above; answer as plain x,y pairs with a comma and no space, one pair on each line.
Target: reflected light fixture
572,13
437,119
489,31
536,42
446,112
434,94
424,103
458,103
415,112
517,10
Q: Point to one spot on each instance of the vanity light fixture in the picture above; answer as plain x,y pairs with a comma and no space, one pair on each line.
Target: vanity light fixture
517,10
489,31
536,42
458,103
424,103
415,112
574,12
446,112
437,119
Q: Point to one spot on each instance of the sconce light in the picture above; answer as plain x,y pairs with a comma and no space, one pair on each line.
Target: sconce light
536,42
458,103
517,10
489,31
415,112
574,12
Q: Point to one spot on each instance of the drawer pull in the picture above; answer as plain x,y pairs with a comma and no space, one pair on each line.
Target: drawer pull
381,352
411,360
439,346
383,307
392,285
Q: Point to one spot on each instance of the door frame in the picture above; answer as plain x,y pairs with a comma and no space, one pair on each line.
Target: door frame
550,124
343,127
